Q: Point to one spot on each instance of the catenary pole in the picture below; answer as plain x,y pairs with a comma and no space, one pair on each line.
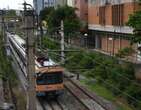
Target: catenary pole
62,41
29,29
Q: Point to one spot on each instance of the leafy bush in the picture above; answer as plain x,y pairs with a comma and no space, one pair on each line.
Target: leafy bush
48,43
135,95
125,52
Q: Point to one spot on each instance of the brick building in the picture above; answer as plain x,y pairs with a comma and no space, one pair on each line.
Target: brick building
107,24
81,8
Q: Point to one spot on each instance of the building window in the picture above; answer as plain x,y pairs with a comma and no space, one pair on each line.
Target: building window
117,15
102,15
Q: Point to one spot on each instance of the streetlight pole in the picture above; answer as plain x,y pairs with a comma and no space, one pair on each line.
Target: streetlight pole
85,38
111,48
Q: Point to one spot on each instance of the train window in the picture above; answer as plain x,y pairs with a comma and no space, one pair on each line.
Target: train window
51,78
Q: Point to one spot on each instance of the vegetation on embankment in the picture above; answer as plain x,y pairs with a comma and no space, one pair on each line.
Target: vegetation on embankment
6,69
104,92
8,74
116,76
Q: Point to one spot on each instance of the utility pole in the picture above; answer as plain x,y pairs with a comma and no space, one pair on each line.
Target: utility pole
29,26
41,32
1,21
62,41
3,27
2,24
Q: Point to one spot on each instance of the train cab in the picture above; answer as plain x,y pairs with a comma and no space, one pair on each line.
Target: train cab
49,78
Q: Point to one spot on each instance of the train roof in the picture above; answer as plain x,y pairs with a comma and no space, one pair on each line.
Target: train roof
40,61
19,39
51,69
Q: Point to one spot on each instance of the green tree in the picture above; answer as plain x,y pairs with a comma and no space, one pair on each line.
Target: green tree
11,12
135,22
44,14
67,14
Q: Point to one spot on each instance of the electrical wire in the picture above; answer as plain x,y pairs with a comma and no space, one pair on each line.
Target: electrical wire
119,75
133,82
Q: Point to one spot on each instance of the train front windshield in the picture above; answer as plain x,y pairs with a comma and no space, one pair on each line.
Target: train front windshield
50,78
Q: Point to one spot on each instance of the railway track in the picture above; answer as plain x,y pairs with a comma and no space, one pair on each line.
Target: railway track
51,104
85,98
7,98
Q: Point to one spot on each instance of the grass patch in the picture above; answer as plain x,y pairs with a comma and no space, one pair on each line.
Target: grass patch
99,90
105,93
122,106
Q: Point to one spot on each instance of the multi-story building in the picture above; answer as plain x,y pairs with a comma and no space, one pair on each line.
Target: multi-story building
81,8
107,24
50,3
41,4
60,3
38,5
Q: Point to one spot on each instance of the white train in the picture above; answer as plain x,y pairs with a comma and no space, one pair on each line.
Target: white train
17,50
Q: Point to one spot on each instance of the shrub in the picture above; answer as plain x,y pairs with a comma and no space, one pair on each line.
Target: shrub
125,52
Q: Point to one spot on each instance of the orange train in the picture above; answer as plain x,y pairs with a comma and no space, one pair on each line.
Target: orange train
49,75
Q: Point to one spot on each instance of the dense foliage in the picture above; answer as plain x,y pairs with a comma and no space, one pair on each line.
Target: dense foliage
44,14
11,13
135,22
6,71
115,75
53,18
125,52
9,76
51,45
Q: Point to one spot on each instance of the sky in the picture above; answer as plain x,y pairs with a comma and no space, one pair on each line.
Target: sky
13,4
